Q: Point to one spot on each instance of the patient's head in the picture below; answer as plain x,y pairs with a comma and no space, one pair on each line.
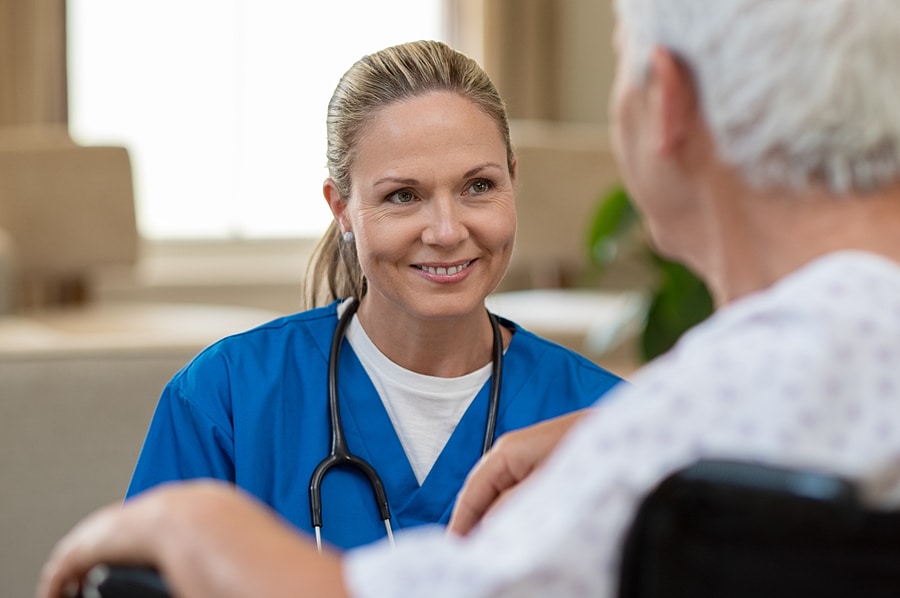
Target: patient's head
793,91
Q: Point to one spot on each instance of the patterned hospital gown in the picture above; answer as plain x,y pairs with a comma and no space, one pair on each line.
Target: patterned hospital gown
805,373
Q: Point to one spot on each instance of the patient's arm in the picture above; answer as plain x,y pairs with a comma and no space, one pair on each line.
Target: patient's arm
207,540
510,461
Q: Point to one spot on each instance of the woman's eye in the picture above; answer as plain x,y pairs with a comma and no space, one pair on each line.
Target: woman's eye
480,186
402,196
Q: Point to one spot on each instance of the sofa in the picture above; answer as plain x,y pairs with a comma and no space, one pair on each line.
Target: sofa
79,374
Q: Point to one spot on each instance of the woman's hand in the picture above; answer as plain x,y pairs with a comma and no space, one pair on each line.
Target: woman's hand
511,460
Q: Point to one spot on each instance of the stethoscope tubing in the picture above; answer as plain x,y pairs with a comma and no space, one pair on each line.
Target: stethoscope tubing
340,454
490,426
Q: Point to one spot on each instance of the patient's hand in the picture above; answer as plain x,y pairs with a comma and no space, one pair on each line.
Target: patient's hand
511,460
207,540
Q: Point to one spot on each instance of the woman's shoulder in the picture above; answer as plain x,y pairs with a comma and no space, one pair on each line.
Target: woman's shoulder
542,378
257,353
539,353
320,317
311,327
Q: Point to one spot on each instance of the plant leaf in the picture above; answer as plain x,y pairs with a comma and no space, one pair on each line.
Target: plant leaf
615,215
681,302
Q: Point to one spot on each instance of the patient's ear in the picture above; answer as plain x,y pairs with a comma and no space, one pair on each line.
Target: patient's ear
676,99
336,203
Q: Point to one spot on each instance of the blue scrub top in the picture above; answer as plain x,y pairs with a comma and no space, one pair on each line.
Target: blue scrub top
253,409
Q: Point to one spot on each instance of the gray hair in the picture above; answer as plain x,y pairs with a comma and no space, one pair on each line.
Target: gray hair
794,91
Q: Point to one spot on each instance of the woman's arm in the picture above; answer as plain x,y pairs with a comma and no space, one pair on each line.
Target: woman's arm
206,539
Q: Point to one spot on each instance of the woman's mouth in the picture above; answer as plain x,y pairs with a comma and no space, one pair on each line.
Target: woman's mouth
445,270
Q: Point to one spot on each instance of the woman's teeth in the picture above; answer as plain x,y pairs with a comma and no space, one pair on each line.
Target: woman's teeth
440,271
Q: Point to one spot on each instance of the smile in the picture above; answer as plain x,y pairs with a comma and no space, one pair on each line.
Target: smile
442,271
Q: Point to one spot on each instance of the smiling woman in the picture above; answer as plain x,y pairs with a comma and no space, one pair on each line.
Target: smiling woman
437,241
398,349
220,102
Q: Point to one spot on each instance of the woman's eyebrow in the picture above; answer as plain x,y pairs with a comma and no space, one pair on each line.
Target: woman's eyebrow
481,167
413,182
396,181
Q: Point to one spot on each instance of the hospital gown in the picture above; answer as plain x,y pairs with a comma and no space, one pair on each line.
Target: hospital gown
806,373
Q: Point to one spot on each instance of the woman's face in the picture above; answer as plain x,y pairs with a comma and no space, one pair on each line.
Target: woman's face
431,206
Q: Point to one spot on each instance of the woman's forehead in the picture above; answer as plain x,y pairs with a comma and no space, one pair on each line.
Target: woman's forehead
439,127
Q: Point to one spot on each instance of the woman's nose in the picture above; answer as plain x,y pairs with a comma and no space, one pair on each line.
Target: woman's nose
445,226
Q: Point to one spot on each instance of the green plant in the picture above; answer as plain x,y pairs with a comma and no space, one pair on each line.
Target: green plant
678,298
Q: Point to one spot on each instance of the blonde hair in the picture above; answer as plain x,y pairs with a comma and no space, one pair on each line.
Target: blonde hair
374,82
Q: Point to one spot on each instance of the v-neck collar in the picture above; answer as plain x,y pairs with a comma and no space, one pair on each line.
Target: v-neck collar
371,435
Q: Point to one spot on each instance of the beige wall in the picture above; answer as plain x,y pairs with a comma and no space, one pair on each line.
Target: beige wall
586,61
32,62
551,59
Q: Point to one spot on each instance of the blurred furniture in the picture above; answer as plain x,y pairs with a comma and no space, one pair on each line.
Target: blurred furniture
600,324
729,529
7,274
67,210
120,581
79,377
77,390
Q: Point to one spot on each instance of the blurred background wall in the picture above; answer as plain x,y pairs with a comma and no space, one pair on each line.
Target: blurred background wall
551,60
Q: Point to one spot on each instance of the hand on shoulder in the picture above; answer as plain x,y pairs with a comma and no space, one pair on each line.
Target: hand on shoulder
511,460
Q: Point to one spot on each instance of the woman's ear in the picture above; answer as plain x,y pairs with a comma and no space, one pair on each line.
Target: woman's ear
336,202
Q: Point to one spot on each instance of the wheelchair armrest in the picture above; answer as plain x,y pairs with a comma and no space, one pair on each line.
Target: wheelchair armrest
742,530
119,581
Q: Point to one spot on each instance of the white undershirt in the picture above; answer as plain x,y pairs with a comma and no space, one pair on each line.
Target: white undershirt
424,409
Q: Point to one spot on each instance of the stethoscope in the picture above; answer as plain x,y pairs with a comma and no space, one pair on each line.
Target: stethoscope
341,455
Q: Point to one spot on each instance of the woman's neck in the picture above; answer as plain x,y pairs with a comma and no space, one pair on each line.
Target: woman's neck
443,347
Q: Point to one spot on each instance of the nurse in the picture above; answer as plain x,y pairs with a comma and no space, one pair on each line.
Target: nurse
422,187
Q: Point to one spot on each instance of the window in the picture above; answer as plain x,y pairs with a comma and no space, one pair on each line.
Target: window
222,102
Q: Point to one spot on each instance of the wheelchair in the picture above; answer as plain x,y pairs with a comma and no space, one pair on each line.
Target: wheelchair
735,529
717,529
